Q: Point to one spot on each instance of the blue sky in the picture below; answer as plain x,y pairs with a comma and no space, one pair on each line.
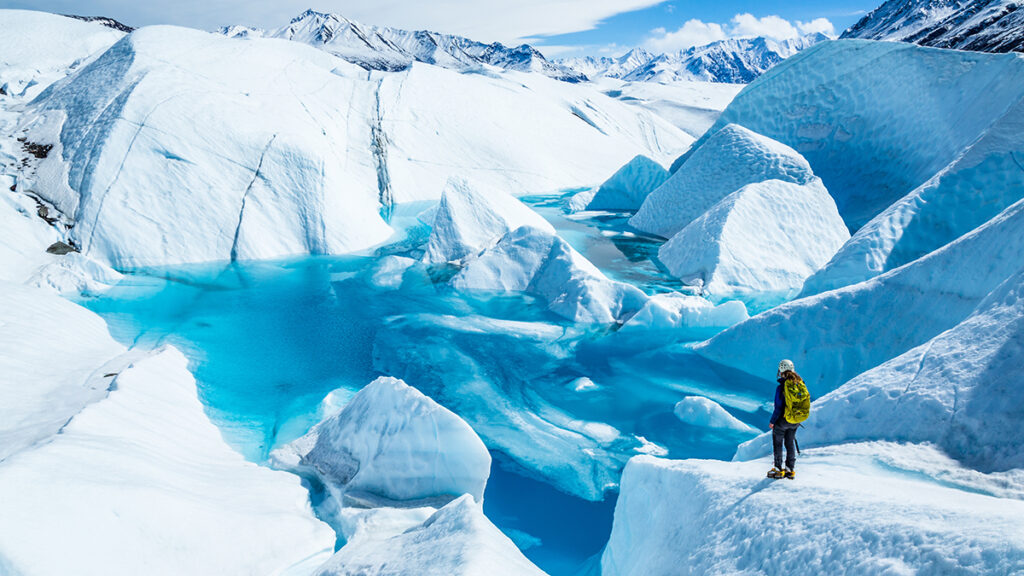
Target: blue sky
560,27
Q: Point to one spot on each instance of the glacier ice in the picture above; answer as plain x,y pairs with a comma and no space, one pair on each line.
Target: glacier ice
860,509
701,411
760,242
725,161
391,442
540,263
469,219
672,310
876,120
142,482
834,336
985,179
959,391
629,186
457,540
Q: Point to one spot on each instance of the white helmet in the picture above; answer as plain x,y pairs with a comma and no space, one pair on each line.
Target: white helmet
786,365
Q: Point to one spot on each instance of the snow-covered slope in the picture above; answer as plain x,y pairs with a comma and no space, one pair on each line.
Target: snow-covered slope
537,262
726,160
142,482
691,106
857,510
392,49
457,540
981,25
878,119
760,242
37,48
267,148
835,336
392,443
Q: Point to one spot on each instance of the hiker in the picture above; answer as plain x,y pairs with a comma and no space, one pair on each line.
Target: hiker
792,406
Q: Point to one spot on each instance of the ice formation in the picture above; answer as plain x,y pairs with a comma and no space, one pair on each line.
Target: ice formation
540,263
701,411
142,482
469,219
878,119
858,510
761,241
729,159
835,336
629,186
392,443
457,540
674,310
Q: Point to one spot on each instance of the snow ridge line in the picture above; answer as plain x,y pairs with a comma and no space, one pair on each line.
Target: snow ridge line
245,196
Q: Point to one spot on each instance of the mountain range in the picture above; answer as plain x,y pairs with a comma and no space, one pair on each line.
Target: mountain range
977,25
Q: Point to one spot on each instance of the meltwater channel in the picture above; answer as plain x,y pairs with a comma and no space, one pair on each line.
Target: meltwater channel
268,340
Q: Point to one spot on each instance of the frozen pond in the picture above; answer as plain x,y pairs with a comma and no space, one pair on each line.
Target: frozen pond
268,340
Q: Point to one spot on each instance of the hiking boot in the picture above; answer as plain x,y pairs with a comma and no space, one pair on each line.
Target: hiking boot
776,473
790,474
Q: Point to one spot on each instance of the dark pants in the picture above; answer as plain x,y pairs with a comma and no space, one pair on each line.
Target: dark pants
784,432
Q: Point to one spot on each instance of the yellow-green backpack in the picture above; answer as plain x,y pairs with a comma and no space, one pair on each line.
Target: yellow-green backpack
798,400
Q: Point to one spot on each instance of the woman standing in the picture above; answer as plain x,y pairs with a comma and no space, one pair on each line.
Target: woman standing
792,406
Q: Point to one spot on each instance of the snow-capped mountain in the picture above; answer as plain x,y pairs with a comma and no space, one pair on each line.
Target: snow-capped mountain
980,25
393,49
732,61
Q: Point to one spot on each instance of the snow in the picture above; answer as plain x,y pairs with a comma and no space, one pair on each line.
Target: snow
701,411
142,482
470,218
876,120
24,237
37,48
55,358
835,336
726,161
691,106
630,185
865,509
760,242
982,25
675,310
392,443
457,540
985,179
959,391
537,262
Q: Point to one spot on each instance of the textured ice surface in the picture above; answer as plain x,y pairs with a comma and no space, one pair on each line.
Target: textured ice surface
985,179
629,186
701,411
871,509
674,310
835,336
760,242
542,264
878,119
142,482
959,391
457,540
727,160
469,219
392,442
56,359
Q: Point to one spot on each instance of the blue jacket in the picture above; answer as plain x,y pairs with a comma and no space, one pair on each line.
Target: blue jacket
780,403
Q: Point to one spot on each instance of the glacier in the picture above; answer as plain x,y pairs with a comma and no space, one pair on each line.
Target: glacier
629,186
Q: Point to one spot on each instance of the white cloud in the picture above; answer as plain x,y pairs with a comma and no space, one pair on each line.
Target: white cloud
693,33
502,20
699,33
821,25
